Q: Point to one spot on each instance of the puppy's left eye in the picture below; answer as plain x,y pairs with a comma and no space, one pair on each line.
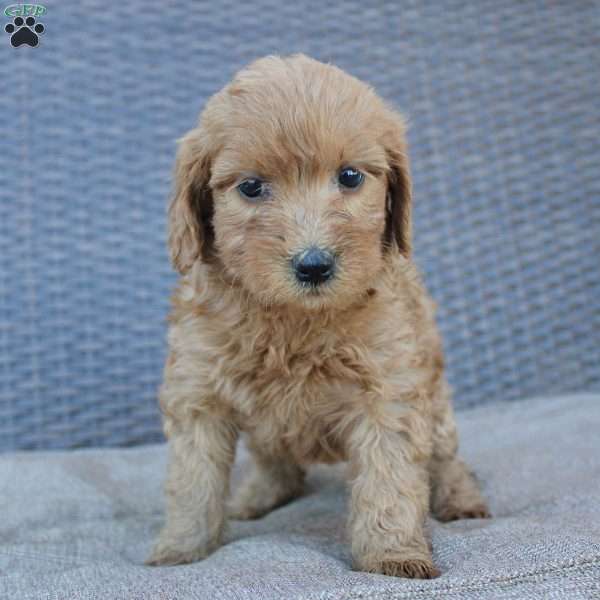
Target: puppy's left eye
350,177
252,188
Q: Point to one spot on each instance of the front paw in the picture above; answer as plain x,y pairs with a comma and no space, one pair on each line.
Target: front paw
171,550
418,567
412,569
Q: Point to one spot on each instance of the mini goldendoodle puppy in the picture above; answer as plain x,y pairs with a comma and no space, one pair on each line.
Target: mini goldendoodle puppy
302,321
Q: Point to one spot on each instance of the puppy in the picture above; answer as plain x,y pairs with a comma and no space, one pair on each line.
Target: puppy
302,321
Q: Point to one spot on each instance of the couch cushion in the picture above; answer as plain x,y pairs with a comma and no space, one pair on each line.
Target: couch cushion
79,524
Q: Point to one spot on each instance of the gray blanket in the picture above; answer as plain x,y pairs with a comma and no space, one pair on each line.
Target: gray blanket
78,524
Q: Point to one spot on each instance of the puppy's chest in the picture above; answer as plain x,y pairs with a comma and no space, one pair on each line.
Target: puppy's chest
318,373
293,397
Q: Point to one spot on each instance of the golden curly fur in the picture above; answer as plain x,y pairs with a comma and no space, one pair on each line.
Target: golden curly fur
350,370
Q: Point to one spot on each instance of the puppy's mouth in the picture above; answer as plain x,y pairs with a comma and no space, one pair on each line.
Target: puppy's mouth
313,290
317,296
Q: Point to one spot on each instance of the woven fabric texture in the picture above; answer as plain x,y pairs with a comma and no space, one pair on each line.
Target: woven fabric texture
77,525
502,98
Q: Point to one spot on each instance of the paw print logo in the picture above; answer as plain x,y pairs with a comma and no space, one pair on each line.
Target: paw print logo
24,31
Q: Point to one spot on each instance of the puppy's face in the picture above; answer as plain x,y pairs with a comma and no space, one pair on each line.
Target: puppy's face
295,183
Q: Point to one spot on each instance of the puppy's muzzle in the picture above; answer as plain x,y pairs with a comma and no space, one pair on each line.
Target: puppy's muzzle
313,266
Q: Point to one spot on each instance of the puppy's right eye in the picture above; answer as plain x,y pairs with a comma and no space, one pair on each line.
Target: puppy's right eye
252,188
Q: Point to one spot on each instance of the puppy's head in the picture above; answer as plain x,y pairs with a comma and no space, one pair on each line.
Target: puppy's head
295,183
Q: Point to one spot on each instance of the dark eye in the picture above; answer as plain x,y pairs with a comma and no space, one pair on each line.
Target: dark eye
252,188
350,177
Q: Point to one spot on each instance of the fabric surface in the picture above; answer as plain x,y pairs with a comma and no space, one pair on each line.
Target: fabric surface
502,99
78,525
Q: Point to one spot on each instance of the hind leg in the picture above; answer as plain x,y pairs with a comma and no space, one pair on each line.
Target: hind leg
274,480
455,492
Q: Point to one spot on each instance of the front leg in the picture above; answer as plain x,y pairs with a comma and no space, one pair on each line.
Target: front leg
201,454
390,495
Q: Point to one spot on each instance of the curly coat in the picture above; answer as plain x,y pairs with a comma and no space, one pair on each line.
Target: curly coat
352,370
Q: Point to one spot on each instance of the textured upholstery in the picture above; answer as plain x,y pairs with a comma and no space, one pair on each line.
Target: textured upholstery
77,525
502,98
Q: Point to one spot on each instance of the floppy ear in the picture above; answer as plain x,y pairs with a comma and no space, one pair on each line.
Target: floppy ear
191,209
399,192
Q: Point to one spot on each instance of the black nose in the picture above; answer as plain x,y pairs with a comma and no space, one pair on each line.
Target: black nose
313,266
